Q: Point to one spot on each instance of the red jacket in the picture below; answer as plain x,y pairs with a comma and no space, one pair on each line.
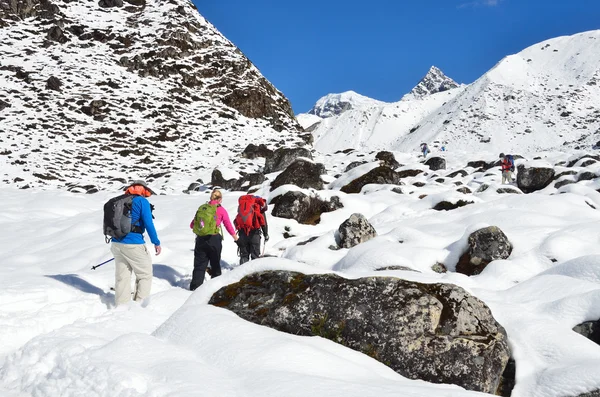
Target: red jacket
506,165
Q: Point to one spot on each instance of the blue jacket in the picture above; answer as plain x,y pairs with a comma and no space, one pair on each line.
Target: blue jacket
140,209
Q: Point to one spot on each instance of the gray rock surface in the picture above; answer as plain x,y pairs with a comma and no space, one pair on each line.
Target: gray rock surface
485,245
382,175
434,332
304,209
281,158
530,179
301,173
355,230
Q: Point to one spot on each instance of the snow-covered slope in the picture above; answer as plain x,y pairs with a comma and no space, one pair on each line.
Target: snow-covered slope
377,126
92,92
546,96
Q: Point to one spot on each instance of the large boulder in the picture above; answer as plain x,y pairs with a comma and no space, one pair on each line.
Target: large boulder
355,230
281,158
485,245
302,173
530,179
303,208
435,332
388,159
252,151
381,175
436,163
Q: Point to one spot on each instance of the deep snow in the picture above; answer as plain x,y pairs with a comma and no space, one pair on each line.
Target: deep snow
61,335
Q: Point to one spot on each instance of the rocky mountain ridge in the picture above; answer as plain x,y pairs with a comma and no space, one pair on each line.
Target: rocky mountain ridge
434,81
92,93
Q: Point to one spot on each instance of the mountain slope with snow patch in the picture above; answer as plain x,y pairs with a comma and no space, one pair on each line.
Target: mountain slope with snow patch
92,93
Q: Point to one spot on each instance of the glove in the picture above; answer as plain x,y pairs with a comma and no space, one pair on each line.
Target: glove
266,238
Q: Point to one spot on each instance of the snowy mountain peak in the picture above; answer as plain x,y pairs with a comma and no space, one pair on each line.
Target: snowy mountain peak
335,104
434,81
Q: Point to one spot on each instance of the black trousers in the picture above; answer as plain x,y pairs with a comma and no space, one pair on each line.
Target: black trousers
207,249
249,245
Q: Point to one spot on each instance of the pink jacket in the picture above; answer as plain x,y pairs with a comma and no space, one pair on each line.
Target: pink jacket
222,218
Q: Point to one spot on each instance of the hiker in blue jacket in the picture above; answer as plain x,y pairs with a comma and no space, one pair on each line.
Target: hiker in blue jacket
424,149
130,251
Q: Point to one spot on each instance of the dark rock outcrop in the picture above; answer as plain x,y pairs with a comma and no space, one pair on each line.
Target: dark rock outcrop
408,173
302,208
387,159
354,164
480,164
485,245
238,184
448,205
53,83
281,158
110,3
436,163
252,151
380,175
457,173
435,332
589,329
530,179
301,173
355,230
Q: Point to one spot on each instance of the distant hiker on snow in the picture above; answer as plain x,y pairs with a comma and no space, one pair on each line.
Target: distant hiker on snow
508,167
126,217
249,222
207,227
424,149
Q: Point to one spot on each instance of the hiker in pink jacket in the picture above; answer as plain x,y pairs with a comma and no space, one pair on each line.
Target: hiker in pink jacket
209,237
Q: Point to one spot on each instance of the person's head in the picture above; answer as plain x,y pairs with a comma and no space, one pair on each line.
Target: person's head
216,195
501,155
139,188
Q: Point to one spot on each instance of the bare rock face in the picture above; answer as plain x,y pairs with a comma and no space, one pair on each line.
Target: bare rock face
301,173
381,175
303,208
435,332
355,230
530,179
281,158
485,245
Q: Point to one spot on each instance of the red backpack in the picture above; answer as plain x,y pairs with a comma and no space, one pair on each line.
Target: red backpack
249,216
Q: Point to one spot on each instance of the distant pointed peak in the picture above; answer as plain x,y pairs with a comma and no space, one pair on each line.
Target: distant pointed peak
434,81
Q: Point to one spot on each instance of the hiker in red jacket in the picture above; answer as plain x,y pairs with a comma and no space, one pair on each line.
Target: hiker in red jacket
250,222
508,167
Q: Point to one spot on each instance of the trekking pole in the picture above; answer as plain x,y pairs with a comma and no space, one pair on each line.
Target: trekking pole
263,250
103,263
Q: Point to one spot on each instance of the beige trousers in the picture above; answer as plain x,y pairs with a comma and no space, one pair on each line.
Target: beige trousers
506,177
130,257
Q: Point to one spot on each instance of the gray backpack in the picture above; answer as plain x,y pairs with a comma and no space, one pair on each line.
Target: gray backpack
117,217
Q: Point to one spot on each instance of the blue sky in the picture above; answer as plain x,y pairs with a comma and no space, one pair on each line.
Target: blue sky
382,48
